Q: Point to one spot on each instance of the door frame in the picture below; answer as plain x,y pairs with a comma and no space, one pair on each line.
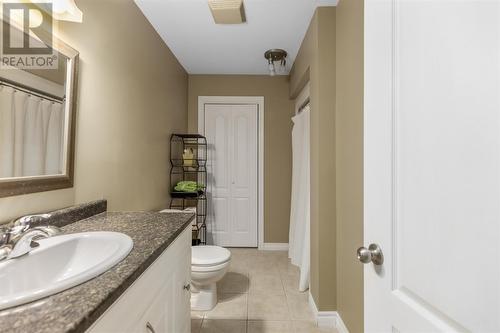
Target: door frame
244,100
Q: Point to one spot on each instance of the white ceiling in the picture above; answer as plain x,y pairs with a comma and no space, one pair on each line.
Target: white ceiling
204,47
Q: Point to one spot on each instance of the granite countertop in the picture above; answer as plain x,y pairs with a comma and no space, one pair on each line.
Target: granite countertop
75,309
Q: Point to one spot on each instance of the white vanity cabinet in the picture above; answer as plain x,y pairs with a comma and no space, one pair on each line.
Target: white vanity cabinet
159,300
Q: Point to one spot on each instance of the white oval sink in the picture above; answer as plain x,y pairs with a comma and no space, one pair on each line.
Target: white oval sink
59,263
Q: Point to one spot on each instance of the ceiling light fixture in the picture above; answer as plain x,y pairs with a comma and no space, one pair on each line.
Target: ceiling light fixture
273,56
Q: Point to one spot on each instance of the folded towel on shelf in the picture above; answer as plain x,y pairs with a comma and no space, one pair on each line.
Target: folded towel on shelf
187,186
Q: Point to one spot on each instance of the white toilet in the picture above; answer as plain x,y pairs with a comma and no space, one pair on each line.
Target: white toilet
209,264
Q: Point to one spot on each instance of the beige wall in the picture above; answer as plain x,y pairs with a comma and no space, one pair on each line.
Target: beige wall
316,63
331,58
278,110
349,139
132,95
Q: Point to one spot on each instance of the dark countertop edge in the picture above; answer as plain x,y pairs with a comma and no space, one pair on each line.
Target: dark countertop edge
101,309
69,215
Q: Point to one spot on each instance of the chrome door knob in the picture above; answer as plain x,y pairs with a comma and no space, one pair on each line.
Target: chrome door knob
371,254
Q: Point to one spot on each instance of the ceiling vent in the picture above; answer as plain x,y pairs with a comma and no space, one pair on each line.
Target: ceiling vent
227,11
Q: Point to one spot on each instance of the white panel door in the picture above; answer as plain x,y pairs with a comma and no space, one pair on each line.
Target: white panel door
432,165
231,132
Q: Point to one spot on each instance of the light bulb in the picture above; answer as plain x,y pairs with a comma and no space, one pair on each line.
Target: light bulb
282,67
272,69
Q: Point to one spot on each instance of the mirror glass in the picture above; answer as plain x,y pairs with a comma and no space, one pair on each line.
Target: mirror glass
33,127
37,107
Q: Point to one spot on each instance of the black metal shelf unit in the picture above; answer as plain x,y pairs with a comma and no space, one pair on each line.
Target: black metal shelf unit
190,169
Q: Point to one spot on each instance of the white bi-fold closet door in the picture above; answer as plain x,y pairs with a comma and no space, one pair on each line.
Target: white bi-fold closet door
231,131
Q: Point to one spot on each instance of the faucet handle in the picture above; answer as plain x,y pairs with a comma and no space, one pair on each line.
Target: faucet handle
50,230
26,222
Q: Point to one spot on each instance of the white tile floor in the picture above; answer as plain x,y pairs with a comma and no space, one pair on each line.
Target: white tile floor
259,294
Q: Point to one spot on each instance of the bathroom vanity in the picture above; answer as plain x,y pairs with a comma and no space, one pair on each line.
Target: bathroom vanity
148,291
159,300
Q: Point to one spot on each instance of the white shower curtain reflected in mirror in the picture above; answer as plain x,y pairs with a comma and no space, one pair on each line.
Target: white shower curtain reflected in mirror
299,237
31,135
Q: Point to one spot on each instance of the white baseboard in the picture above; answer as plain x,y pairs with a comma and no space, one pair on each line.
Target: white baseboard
341,328
327,319
274,247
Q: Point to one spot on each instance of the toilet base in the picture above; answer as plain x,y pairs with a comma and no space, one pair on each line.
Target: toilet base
203,298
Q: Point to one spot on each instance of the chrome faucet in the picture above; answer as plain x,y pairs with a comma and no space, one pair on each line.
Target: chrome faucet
19,237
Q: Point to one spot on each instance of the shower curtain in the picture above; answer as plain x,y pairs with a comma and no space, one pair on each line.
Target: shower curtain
31,135
299,237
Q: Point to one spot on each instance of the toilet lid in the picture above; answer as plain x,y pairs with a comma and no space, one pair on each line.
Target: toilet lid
207,255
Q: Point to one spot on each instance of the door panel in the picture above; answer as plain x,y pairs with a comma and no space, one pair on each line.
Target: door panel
218,165
244,177
231,132
220,209
221,136
432,165
242,215
242,152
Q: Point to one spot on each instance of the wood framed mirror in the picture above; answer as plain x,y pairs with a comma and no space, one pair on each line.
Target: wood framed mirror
37,120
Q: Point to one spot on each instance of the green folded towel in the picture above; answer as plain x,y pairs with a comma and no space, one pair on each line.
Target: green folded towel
187,186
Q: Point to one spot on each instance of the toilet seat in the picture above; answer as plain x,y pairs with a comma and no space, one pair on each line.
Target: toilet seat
206,256
213,268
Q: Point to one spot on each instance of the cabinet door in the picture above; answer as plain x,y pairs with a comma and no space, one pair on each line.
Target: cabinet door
182,301
170,312
160,317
